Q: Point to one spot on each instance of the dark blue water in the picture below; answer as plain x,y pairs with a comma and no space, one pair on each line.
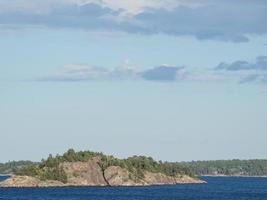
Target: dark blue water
217,188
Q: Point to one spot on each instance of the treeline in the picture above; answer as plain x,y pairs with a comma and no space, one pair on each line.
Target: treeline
229,167
12,167
51,168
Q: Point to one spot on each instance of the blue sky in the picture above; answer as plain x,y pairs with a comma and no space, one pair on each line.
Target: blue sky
174,79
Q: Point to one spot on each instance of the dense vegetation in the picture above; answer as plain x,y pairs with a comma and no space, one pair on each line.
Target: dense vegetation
137,165
229,167
50,169
12,166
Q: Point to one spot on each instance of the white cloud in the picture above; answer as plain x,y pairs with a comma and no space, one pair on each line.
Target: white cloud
126,7
137,6
134,7
127,70
77,72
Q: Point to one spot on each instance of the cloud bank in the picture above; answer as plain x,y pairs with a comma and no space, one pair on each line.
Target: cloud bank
260,64
248,71
83,72
241,71
223,20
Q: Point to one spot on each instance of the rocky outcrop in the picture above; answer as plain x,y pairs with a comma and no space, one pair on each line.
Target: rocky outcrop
91,174
27,181
84,173
158,179
161,179
188,180
117,176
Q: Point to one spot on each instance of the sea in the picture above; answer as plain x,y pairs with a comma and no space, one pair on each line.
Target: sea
217,188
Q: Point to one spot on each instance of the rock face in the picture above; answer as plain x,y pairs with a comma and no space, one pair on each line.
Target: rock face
91,174
116,176
84,173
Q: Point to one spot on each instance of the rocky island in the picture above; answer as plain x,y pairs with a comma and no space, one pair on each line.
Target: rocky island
86,168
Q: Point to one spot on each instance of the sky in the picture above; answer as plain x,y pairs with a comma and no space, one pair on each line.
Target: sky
177,80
